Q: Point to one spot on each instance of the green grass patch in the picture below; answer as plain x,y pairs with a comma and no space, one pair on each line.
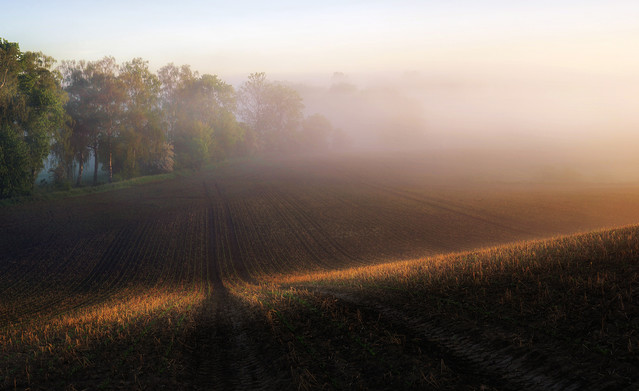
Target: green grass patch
43,194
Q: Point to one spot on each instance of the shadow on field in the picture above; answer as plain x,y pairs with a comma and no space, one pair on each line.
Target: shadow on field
232,346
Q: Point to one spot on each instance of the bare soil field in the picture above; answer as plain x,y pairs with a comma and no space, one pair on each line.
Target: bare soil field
336,273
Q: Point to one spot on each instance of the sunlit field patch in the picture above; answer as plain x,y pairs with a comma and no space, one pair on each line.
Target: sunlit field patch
579,293
109,339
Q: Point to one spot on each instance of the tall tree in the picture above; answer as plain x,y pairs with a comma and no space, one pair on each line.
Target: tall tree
284,116
109,103
273,111
141,134
173,80
253,98
220,102
84,133
31,110
199,111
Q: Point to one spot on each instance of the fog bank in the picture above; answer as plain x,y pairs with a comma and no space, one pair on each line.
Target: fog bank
561,126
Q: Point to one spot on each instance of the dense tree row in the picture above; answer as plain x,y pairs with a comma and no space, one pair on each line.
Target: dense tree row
31,111
131,121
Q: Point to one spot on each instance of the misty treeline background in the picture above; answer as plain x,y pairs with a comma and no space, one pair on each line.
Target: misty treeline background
130,121
466,124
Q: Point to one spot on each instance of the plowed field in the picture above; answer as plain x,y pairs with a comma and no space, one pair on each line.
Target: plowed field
207,281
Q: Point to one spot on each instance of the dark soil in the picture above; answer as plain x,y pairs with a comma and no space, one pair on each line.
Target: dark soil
228,231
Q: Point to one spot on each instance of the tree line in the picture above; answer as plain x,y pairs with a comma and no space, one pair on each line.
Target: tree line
131,121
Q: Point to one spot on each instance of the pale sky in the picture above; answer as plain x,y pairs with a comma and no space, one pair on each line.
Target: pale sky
297,37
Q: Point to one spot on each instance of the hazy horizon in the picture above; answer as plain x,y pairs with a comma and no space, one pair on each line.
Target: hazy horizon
556,81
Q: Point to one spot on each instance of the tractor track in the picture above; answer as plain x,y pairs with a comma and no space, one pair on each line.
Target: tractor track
490,356
227,348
